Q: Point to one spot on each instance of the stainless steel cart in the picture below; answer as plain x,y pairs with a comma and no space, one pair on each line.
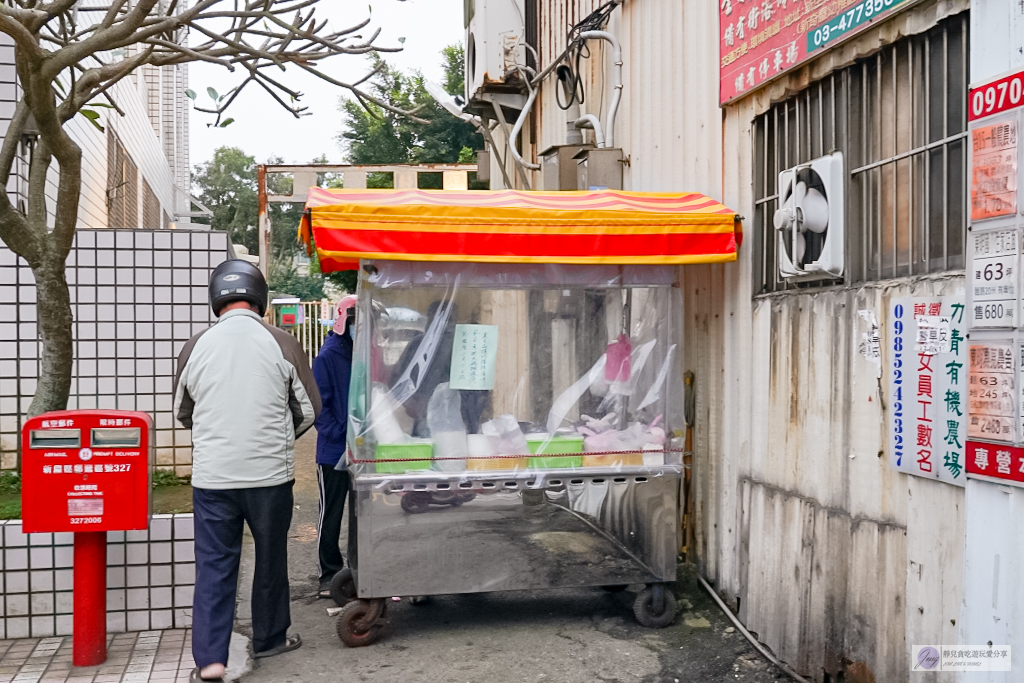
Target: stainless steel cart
432,534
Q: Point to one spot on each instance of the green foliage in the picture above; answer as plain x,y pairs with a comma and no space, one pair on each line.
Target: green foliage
169,478
227,185
286,279
376,136
10,482
10,509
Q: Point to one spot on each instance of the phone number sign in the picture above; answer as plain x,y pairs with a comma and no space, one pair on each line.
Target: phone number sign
762,39
927,386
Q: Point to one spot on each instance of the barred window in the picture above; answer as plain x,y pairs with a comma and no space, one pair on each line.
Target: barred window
900,120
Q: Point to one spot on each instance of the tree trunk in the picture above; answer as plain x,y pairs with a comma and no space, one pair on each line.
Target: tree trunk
53,310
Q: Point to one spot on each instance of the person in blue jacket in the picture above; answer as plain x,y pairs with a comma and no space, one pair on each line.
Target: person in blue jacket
332,369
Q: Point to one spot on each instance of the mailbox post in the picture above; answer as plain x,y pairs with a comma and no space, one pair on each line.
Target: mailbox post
88,472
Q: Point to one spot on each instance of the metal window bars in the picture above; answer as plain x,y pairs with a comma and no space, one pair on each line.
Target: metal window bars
899,118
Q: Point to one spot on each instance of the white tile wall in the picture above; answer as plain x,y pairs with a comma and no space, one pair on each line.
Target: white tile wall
130,323
36,579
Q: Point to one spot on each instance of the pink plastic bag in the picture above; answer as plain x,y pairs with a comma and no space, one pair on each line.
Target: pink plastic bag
616,368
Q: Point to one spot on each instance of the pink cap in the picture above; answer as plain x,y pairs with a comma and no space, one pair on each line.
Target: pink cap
342,313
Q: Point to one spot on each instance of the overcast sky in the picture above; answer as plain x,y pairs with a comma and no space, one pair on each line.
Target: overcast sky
262,128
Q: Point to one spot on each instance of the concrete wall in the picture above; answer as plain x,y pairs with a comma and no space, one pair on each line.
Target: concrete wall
836,561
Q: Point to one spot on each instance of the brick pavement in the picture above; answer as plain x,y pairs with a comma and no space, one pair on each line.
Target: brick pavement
160,656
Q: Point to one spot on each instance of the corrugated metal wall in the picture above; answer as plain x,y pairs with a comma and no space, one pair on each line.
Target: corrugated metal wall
838,562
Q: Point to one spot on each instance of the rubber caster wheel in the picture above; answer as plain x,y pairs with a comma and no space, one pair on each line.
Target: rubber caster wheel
615,588
343,587
360,622
415,502
645,612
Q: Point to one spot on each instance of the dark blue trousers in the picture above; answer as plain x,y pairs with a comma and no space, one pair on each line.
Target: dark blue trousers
218,529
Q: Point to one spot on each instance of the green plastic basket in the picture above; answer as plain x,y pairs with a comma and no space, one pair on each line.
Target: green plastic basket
421,453
557,445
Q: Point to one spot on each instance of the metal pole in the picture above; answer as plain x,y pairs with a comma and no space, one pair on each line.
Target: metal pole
90,599
263,222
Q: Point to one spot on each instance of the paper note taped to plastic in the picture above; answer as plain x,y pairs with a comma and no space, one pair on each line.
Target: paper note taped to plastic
473,357
933,335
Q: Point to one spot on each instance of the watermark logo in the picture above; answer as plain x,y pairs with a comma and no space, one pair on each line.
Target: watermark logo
927,658
960,658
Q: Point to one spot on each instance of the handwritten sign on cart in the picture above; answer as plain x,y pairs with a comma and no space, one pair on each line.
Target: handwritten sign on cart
473,357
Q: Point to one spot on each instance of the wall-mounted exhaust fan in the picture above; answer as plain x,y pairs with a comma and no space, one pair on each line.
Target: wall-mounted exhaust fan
809,221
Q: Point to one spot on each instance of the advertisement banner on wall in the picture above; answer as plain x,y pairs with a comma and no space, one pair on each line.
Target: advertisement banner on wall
994,170
992,392
994,461
762,39
928,386
993,276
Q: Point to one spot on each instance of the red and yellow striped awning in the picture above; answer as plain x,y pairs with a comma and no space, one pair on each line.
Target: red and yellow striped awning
509,226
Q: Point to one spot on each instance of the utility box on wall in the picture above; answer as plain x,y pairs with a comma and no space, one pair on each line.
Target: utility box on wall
599,169
558,166
87,470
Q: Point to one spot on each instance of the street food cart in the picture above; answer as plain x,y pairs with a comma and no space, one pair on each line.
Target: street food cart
516,387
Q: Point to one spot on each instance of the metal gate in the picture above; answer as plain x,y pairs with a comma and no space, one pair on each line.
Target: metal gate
311,332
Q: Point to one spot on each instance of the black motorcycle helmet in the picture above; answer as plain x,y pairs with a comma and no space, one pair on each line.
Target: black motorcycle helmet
237,280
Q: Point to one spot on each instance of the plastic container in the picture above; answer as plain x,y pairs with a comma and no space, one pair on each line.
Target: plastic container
572,445
615,460
419,454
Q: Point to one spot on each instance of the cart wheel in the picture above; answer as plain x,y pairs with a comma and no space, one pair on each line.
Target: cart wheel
360,622
615,588
644,607
343,587
414,502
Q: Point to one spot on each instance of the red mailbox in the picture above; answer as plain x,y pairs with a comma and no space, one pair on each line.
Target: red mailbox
90,472
87,470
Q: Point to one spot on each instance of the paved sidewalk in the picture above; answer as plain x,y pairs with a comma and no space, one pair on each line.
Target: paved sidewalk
163,656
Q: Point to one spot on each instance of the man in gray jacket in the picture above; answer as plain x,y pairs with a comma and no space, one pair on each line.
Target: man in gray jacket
246,391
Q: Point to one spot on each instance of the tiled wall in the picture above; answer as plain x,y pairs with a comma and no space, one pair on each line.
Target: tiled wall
137,296
150,578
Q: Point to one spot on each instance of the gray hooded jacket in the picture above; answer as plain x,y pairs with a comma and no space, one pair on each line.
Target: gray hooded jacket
246,391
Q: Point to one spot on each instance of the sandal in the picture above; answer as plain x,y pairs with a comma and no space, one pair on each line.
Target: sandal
293,642
194,677
325,590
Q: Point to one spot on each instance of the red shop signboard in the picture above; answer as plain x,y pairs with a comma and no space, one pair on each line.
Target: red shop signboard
995,461
762,39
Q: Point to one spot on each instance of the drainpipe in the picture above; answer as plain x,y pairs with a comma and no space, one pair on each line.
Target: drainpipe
617,61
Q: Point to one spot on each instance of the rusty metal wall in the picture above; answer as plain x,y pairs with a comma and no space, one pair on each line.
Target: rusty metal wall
836,561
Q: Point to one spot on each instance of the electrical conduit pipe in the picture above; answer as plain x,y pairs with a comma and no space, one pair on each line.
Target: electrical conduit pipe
591,121
512,145
613,108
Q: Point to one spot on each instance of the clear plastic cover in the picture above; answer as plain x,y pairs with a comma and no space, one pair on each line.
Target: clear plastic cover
470,368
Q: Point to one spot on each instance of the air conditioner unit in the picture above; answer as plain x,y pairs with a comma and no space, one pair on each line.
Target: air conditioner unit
495,38
809,222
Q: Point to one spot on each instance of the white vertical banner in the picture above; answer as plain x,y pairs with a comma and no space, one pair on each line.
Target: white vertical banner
927,386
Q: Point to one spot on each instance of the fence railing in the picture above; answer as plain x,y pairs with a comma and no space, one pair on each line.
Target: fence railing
311,332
